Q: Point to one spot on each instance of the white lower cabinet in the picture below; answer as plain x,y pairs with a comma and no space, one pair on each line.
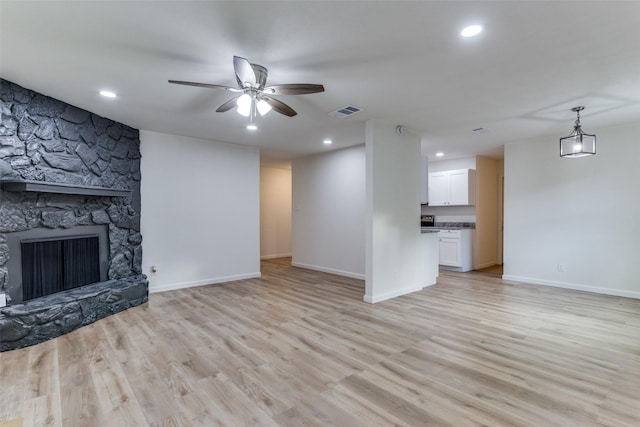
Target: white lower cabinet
450,252
455,249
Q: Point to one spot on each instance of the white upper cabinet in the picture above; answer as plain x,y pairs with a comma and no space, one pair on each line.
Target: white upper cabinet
439,188
452,188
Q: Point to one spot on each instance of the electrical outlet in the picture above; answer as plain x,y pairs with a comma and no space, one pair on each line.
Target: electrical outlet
561,268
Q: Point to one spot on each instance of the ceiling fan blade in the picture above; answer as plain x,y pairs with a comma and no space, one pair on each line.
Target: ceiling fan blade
207,85
228,105
280,106
294,89
244,71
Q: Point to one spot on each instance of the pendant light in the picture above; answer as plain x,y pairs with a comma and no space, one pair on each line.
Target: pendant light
578,143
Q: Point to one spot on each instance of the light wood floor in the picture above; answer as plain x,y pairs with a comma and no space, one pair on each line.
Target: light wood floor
494,271
301,348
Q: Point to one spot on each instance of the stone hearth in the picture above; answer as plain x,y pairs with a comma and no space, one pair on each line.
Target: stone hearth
38,320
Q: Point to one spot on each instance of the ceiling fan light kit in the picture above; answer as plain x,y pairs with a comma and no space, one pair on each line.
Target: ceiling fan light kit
577,143
263,107
244,105
256,96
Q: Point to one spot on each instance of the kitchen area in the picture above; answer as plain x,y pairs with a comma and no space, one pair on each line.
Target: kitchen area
461,223
461,202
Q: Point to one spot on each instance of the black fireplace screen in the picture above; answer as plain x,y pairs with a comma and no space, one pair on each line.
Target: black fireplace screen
50,266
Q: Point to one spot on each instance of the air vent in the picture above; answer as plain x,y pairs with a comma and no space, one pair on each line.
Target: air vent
480,130
345,111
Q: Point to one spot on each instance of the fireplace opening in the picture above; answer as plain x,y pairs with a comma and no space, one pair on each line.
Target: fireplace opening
55,265
45,261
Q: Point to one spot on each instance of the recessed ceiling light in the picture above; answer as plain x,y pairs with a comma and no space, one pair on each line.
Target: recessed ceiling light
107,94
252,127
327,141
471,30
439,154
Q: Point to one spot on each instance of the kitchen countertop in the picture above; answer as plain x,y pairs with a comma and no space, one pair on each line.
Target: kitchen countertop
429,230
436,229
449,226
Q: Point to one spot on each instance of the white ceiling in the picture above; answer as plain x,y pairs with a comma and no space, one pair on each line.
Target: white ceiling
402,61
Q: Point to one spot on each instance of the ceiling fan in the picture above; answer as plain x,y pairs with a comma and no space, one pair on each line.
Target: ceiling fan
255,95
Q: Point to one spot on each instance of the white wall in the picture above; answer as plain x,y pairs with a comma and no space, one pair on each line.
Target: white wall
275,213
452,164
200,211
500,209
328,228
393,247
579,213
450,213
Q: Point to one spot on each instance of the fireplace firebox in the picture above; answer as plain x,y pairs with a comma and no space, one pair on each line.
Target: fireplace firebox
46,261
55,265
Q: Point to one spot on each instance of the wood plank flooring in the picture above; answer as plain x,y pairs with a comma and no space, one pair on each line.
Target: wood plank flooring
298,347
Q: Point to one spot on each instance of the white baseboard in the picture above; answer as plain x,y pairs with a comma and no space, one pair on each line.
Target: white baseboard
328,270
212,281
573,286
377,298
276,256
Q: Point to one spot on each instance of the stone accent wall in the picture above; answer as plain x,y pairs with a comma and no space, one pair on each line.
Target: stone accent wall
43,139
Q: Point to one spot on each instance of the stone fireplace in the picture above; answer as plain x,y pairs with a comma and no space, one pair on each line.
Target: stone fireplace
69,186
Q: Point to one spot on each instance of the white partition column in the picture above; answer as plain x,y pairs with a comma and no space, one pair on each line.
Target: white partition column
393,260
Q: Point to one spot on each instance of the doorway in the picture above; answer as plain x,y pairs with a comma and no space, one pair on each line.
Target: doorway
275,211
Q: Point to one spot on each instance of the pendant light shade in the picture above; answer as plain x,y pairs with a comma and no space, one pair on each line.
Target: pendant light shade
578,143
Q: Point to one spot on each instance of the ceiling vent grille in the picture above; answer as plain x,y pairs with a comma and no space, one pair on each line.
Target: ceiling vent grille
347,110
